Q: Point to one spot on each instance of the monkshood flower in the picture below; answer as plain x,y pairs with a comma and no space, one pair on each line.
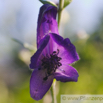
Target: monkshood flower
53,57
52,60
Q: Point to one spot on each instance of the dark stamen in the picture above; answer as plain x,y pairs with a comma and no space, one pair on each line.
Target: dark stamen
51,63
45,78
39,68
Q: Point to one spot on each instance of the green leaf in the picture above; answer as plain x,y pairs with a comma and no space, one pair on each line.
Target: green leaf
67,2
48,2
25,45
17,41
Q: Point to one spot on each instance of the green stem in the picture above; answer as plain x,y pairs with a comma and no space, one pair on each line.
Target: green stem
61,4
53,93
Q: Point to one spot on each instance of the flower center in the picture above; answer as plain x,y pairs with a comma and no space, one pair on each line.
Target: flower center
51,63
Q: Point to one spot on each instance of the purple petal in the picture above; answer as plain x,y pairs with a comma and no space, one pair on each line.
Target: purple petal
67,50
46,21
35,59
38,86
66,73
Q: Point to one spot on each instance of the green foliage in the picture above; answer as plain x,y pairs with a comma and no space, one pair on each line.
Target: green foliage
25,45
67,2
48,2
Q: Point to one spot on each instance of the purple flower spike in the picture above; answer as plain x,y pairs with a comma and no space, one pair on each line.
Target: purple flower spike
47,21
53,57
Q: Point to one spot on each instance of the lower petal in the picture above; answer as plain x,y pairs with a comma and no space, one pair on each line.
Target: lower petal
39,86
66,73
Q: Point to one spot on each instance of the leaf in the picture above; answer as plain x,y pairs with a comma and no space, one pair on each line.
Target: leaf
67,2
17,41
48,2
25,45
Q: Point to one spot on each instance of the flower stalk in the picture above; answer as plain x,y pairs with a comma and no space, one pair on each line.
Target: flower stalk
61,4
53,93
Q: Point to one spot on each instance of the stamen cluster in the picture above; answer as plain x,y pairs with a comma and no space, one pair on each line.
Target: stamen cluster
51,63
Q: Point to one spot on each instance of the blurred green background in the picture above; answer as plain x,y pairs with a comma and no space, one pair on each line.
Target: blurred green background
18,20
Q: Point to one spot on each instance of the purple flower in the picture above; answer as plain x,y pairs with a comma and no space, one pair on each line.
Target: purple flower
53,57
51,61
